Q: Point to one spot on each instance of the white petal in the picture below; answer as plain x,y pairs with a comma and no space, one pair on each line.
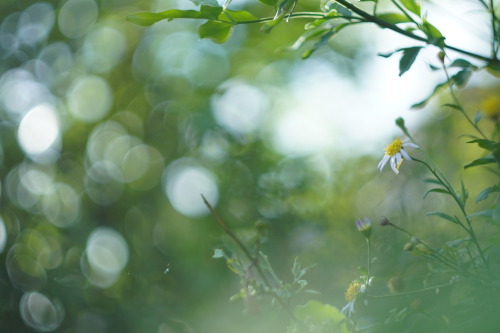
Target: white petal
393,164
409,144
383,162
398,158
405,155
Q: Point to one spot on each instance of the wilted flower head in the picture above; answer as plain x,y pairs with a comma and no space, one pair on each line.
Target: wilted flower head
396,154
352,291
365,227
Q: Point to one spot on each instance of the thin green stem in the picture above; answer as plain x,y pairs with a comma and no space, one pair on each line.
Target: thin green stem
457,102
368,245
494,30
468,228
249,256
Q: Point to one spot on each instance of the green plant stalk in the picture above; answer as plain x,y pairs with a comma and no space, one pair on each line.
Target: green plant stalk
249,256
494,41
368,245
468,228
457,102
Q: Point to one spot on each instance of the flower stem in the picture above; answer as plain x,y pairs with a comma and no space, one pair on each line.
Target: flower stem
468,228
459,105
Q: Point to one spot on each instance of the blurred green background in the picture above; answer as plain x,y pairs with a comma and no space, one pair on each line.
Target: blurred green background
110,132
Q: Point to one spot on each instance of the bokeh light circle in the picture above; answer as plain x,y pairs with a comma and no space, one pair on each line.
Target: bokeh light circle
185,182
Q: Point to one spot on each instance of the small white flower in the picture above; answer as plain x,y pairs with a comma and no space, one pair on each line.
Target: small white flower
396,154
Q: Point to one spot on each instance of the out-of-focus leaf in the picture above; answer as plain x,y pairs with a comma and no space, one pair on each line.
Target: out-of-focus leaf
435,37
485,144
236,16
269,2
462,63
408,58
434,92
464,194
208,2
493,67
322,41
461,78
444,216
432,181
477,117
325,37
316,312
483,213
210,12
454,106
412,5
307,35
393,18
436,190
219,32
484,194
146,19
481,161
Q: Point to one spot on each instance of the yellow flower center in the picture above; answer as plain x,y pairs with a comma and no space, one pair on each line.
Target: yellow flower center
352,291
394,147
491,107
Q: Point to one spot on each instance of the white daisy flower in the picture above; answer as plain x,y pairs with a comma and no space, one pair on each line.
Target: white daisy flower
396,154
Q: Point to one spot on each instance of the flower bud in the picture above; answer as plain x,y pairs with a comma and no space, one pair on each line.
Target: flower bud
364,227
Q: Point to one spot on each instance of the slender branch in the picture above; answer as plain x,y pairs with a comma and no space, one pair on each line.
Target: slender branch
494,30
249,256
397,29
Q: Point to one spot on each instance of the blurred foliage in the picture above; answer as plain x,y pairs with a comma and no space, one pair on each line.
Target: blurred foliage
110,132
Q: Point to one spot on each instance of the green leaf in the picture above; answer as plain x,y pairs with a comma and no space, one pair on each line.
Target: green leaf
269,2
485,144
464,194
145,19
207,2
210,12
325,37
219,32
316,312
307,35
236,16
461,78
434,92
454,106
444,216
477,117
432,181
412,5
483,213
484,194
434,36
462,63
393,18
481,161
408,58
436,190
